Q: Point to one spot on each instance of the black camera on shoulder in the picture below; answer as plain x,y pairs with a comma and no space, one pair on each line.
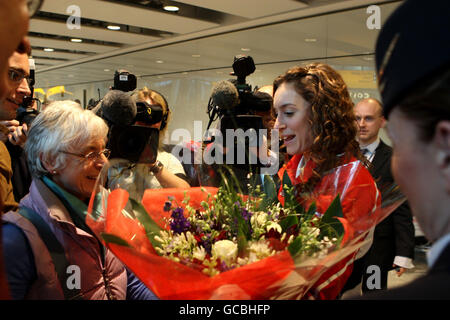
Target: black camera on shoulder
127,139
249,101
148,113
134,143
124,81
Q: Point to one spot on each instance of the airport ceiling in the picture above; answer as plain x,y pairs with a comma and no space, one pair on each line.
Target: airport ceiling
73,42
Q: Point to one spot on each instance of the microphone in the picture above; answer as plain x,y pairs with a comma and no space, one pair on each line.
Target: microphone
224,95
117,108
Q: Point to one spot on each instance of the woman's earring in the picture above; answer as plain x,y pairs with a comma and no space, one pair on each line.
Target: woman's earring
54,172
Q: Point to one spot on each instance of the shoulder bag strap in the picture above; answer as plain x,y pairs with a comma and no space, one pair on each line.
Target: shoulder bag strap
55,249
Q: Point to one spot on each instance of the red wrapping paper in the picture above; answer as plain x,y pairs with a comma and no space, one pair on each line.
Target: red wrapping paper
277,277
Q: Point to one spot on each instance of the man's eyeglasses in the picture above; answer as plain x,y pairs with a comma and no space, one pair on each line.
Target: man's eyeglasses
34,6
16,76
91,156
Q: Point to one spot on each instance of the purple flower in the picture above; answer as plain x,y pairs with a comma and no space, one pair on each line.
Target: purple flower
179,223
167,206
207,243
246,214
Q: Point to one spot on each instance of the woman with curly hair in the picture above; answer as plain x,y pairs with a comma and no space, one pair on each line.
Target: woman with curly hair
318,127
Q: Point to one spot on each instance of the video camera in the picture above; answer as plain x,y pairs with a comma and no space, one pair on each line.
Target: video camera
134,143
126,139
234,99
237,106
148,113
124,81
25,113
249,101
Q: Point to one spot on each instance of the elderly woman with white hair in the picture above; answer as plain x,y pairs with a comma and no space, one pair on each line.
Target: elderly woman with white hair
50,253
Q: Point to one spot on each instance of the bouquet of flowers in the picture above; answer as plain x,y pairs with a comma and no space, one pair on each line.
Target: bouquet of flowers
216,243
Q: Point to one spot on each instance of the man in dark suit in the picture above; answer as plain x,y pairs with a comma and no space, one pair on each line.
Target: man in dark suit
393,239
413,71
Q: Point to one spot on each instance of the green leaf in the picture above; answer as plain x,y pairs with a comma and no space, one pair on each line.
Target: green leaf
289,194
241,241
290,201
150,226
311,211
111,238
286,180
329,225
270,193
288,222
233,186
295,246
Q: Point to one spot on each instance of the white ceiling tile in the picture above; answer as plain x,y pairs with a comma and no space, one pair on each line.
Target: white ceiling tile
248,8
122,14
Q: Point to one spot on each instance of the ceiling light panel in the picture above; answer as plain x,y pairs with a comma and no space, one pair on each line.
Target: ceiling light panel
87,32
67,45
56,54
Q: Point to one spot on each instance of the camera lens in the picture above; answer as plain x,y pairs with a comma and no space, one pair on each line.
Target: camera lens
129,142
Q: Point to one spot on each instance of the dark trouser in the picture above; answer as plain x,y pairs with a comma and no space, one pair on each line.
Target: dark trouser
374,279
370,276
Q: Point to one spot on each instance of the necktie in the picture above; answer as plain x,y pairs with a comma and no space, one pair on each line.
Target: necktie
365,152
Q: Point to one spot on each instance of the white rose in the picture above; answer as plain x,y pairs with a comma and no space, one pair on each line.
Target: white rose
226,250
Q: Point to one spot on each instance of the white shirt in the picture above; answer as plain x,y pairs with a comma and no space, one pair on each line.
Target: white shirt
436,249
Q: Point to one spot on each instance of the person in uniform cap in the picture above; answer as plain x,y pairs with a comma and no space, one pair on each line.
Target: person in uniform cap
413,66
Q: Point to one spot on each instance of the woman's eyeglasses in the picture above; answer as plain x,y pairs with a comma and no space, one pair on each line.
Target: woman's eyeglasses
91,156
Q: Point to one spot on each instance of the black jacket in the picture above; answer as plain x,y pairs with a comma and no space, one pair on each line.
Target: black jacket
394,236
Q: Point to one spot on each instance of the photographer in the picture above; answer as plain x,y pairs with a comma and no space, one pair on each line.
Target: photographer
133,139
167,172
240,146
14,132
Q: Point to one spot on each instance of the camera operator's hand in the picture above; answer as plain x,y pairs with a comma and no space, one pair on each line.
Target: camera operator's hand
166,178
17,133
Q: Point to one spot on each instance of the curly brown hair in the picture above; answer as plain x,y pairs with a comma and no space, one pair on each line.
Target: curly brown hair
331,116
